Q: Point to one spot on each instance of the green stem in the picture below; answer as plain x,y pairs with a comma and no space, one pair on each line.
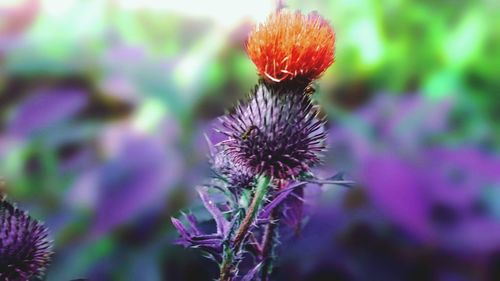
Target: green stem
227,266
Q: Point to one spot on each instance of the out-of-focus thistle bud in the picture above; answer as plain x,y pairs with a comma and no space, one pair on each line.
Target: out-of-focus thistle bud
235,175
292,46
276,133
25,250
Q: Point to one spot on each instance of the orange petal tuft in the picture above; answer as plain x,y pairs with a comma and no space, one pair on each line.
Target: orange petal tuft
292,45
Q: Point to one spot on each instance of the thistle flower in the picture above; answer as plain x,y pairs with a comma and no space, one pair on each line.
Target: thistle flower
292,46
272,141
24,245
276,133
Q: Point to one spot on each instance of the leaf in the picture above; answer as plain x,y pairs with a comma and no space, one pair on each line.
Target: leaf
180,228
193,223
282,195
251,273
206,241
221,222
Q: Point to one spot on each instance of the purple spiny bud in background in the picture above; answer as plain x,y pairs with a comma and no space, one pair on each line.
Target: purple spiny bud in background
24,246
276,133
236,176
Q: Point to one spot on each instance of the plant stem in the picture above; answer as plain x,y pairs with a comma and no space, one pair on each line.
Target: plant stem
227,266
268,245
226,269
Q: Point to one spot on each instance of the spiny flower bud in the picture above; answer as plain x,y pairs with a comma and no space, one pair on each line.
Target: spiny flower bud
291,46
24,245
276,133
237,176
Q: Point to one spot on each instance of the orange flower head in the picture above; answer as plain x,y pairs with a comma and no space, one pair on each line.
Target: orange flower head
292,45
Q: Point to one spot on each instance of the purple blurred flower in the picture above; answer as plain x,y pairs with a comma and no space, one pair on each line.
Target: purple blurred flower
137,176
24,246
436,193
438,197
45,108
398,191
137,173
388,124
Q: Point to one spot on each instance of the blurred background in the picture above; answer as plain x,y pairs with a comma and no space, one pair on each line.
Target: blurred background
104,105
